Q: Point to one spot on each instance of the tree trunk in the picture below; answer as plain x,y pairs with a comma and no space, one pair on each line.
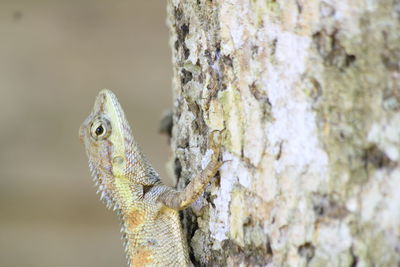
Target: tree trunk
308,94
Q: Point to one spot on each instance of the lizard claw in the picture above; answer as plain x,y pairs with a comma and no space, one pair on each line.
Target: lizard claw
215,144
215,140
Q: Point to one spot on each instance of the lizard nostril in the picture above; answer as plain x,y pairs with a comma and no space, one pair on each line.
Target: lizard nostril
81,133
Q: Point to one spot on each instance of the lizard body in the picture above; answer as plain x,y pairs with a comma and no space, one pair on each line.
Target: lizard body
148,209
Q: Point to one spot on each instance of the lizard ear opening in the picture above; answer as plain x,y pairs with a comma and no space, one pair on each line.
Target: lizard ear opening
100,129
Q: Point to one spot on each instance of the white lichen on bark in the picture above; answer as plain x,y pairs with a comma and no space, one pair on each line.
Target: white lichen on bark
308,93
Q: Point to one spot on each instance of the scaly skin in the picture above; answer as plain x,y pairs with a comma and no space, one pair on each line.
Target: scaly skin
128,184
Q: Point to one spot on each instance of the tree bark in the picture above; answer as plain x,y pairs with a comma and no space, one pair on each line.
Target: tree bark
308,93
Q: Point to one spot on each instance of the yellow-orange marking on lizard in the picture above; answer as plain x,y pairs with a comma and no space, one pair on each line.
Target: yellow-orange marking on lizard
141,257
135,218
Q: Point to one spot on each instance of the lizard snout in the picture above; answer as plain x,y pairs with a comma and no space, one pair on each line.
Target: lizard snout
82,133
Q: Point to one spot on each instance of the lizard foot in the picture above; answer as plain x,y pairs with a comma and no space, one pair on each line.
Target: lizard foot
215,143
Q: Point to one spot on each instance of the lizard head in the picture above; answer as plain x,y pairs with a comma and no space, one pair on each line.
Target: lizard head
108,142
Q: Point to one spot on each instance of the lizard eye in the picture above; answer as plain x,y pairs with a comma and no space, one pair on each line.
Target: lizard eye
100,129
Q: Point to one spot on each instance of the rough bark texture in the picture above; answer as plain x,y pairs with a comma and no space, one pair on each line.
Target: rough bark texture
308,92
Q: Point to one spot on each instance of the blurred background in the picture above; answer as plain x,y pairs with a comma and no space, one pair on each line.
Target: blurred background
55,55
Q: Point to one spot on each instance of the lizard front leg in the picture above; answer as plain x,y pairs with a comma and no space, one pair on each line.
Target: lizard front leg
180,200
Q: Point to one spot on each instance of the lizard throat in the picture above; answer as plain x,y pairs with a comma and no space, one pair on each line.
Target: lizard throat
104,183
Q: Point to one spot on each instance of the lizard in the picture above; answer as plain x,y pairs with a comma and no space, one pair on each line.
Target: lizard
148,209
